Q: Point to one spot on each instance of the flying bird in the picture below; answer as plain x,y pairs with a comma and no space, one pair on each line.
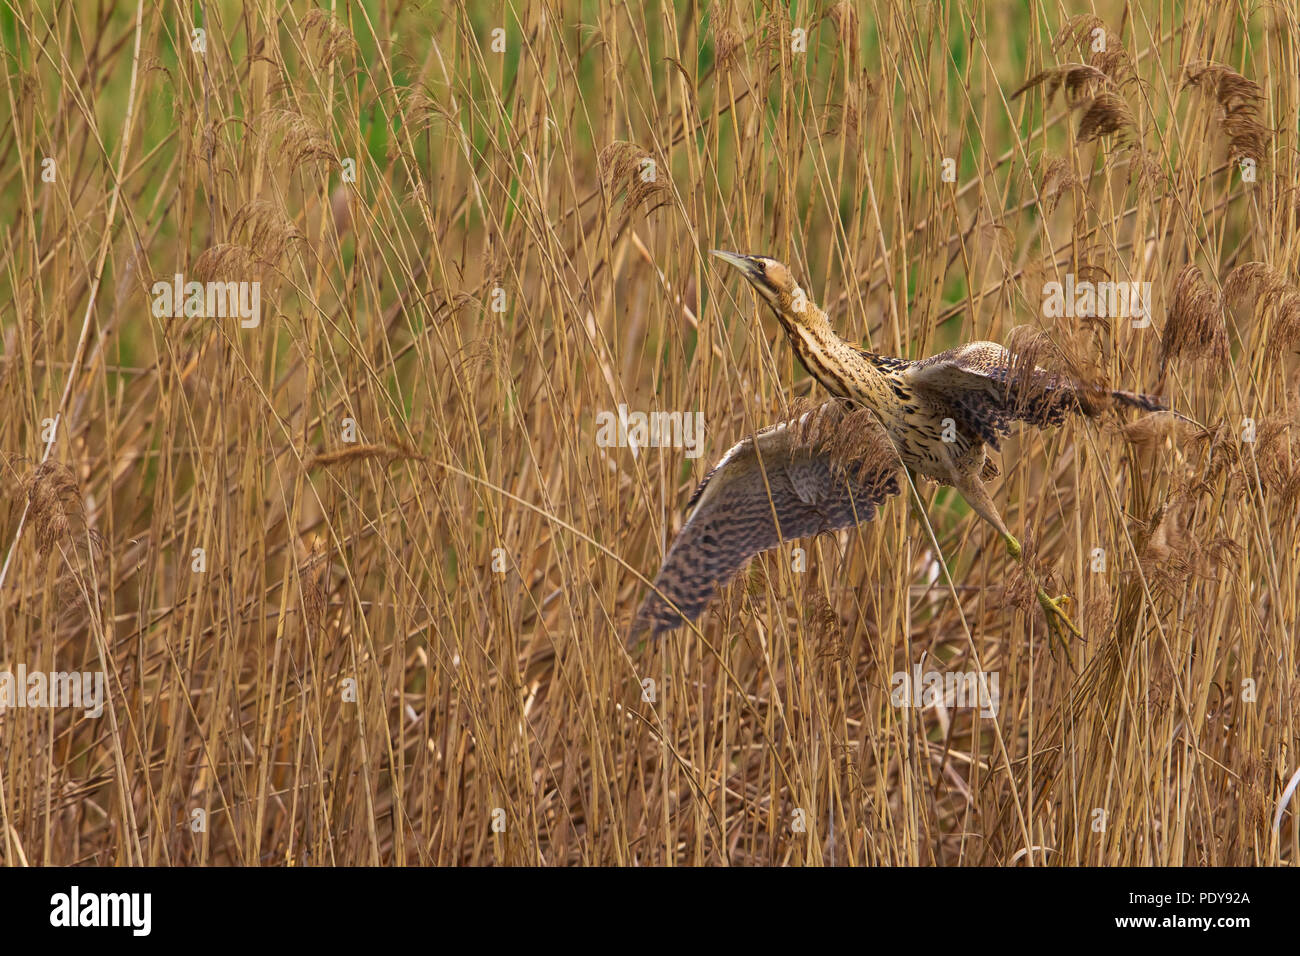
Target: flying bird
833,467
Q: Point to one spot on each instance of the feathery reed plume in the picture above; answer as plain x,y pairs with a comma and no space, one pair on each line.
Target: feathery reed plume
1272,293
1104,114
852,436
730,49
1039,366
1278,454
1239,101
333,37
57,512
1078,79
1054,180
628,170
1194,326
823,623
269,230
301,140
55,506
1102,110
1102,48
226,261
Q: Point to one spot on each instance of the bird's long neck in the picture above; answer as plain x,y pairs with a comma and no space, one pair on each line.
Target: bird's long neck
841,368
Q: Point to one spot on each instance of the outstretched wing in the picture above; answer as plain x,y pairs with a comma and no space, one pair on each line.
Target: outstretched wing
826,470
986,388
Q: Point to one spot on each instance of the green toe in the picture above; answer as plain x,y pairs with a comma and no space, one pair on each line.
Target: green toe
1058,621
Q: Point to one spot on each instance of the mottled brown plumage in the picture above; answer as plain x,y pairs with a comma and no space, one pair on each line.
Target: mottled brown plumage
790,480
939,415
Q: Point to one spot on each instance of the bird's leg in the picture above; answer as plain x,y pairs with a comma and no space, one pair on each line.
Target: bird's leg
1058,621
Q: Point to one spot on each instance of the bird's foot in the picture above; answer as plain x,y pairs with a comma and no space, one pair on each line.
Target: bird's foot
1059,624
1013,548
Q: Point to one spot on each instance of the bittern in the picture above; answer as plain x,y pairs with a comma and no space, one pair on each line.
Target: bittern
940,414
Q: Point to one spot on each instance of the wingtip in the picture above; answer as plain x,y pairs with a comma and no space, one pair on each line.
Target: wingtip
652,622
645,627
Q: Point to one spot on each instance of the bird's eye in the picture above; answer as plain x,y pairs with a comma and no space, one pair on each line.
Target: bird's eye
777,274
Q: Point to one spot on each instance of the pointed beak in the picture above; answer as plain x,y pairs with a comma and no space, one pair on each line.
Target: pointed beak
751,267
743,263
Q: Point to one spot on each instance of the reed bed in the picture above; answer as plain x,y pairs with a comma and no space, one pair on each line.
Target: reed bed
359,576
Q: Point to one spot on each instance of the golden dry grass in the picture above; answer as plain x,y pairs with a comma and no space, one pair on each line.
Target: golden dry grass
408,648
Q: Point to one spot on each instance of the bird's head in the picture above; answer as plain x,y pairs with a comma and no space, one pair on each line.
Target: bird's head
770,278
